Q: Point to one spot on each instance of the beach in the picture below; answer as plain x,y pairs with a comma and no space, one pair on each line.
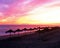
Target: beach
16,35
46,39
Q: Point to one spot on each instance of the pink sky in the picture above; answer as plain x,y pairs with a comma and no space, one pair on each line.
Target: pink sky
11,11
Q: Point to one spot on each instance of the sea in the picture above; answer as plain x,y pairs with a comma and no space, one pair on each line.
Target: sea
4,28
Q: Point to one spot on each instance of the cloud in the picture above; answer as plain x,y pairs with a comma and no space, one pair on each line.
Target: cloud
45,14
7,1
29,8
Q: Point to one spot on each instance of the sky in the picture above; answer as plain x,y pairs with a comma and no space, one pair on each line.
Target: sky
30,12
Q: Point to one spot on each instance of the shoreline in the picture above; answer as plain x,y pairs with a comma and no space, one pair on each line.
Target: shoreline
16,35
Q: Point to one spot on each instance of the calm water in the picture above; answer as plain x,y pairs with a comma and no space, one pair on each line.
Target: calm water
4,28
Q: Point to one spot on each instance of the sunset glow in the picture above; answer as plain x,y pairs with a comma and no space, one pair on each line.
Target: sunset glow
30,12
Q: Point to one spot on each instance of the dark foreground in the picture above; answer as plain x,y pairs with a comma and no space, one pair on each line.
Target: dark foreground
46,39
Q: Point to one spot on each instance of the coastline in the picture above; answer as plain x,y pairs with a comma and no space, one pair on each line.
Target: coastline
16,35
46,39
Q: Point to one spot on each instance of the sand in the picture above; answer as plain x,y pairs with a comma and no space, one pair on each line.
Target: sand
48,39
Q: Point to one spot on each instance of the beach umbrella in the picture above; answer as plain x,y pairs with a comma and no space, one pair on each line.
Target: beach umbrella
18,30
46,29
35,28
30,29
14,32
9,31
56,27
39,28
25,29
